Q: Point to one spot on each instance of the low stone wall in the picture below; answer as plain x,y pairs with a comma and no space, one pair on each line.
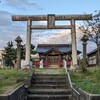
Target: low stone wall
18,94
75,95
79,94
85,96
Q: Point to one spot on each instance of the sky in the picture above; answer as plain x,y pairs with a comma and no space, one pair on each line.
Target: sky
9,29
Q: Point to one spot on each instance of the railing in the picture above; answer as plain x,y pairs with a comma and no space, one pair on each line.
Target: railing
75,93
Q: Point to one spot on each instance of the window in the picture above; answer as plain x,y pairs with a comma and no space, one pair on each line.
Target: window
92,60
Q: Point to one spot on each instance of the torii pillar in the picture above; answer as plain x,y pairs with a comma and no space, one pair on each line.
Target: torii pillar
28,44
74,46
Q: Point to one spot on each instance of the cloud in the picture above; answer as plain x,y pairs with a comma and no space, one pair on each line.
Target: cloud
51,36
9,30
56,36
23,4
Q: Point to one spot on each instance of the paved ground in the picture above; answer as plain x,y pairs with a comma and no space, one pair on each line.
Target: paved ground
49,70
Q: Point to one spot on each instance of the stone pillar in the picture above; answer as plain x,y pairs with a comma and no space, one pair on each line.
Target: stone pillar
74,47
84,40
28,44
41,63
84,51
18,57
18,40
46,60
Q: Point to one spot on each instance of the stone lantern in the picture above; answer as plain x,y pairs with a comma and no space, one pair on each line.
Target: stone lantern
18,40
84,40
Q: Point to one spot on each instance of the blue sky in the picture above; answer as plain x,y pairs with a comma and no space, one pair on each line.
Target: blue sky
9,30
50,6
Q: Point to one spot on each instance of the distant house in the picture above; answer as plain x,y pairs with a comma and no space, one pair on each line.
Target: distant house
92,58
53,54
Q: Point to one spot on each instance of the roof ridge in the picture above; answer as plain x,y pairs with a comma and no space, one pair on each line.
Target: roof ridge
54,45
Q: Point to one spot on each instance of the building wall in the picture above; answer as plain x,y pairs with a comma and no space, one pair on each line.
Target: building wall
92,59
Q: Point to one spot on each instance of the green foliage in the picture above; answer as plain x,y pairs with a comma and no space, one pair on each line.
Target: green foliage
88,81
9,77
32,49
9,54
23,50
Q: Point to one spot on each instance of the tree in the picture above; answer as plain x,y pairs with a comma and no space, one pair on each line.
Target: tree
23,51
32,49
92,30
9,54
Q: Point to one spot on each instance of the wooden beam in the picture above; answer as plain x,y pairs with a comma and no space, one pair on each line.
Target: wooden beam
45,17
56,27
62,27
39,27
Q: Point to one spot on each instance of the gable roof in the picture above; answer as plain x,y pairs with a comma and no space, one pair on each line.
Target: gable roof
63,48
93,51
53,49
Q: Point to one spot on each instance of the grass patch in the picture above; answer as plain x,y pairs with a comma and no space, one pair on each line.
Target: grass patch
9,77
88,81
49,70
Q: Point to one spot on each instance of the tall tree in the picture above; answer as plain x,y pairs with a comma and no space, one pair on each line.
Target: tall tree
32,49
92,30
9,54
23,51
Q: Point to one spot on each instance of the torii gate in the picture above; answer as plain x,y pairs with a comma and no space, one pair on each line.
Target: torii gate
51,18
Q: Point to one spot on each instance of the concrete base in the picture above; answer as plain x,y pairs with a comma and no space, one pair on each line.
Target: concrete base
41,66
74,67
27,67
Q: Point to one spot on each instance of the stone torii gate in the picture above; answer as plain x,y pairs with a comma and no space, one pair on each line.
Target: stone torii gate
51,18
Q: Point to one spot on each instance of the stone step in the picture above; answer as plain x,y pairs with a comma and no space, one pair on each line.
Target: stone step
48,86
49,91
54,66
49,79
49,97
49,82
49,75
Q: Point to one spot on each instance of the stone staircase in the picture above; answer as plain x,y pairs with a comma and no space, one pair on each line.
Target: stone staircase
49,87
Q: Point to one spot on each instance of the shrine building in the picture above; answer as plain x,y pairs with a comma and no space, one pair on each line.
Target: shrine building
54,54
